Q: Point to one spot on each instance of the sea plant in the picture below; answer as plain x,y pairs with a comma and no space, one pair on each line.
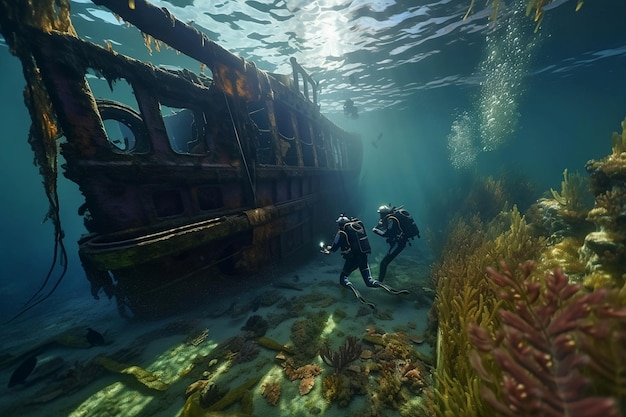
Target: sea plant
340,359
619,140
537,361
573,192
464,296
306,334
44,132
534,8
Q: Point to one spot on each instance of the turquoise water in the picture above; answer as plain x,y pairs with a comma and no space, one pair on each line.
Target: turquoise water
440,100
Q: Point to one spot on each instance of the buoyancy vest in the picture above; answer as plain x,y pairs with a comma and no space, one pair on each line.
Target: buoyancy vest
357,237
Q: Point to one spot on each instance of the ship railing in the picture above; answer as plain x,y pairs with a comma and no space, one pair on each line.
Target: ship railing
308,83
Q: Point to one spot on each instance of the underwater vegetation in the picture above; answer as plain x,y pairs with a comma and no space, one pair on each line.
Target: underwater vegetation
533,340
604,249
480,197
574,188
534,9
465,297
548,339
45,131
347,353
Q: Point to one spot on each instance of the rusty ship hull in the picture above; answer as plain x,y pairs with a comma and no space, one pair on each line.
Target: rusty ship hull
241,171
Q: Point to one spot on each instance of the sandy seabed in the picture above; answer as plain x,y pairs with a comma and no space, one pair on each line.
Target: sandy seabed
169,354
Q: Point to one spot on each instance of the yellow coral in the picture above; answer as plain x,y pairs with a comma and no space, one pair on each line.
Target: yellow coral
564,255
619,140
573,189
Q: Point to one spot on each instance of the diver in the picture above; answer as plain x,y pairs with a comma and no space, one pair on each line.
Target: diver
350,110
352,239
397,225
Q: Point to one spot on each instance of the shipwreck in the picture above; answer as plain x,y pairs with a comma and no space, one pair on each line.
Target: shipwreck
242,170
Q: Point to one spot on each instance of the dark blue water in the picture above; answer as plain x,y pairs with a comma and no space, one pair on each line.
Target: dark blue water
450,98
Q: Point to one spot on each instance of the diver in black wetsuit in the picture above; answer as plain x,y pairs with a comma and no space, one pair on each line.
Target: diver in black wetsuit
352,239
391,226
354,257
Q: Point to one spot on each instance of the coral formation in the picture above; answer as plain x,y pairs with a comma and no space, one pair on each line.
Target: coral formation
210,394
256,326
390,389
305,371
248,352
271,392
544,346
480,197
572,195
305,335
340,388
604,250
306,374
306,385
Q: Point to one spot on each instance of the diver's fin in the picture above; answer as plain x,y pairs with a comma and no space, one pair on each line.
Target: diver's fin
359,297
391,290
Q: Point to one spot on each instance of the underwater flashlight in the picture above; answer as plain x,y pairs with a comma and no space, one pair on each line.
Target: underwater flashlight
322,244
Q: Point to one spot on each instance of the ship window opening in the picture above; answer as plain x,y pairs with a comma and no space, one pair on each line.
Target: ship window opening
286,131
124,128
304,128
118,90
335,152
260,119
167,203
119,135
185,129
320,149
209,198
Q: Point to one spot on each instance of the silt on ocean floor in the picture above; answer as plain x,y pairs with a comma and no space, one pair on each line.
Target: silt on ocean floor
302,346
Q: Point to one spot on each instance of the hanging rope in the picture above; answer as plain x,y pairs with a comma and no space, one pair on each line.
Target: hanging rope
43,136
243,156
59,254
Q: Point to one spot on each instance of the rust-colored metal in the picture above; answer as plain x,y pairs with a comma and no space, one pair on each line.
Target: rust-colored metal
243,172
